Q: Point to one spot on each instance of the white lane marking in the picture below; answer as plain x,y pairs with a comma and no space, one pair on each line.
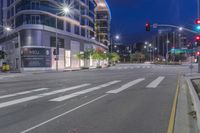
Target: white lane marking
62,98
9,103
26,99
22,93
138,66
156,82
148,66
126,86
63,114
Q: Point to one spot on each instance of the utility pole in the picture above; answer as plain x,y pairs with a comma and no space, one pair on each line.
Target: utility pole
174,44
167,47
57,46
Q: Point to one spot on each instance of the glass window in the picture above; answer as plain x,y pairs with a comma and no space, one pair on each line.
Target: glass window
76,30
35,19
35,4
68,27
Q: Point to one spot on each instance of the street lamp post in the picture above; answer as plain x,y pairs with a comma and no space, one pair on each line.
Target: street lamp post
117,37
66,10
150,51
167,47
57,48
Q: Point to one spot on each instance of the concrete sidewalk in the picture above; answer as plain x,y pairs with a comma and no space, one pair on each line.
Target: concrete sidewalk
185,121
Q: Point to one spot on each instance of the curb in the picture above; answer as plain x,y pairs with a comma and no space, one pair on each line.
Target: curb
195,100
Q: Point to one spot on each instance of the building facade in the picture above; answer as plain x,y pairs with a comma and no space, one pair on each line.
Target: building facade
102,22
31,44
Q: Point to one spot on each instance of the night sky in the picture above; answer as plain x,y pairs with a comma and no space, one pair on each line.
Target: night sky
130,16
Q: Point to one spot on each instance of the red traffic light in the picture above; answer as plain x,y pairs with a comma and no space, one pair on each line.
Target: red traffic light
198,53
148,27
198,38
197,21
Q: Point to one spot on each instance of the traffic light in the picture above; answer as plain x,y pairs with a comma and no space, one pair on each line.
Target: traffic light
198,53
148,26
198,38
197,22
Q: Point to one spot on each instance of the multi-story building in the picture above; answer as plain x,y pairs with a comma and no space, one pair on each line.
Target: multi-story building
32,41
102,24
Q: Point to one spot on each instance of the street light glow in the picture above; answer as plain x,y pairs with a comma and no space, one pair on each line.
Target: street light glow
146,43
180,28
8,28
117,37
66,10
168,41
150,45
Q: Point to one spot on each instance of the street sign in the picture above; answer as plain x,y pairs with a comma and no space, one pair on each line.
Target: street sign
155,26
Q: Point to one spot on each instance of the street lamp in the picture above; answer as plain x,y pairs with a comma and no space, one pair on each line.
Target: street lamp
66,10
6,28
115,38
168,41
180,29
150,45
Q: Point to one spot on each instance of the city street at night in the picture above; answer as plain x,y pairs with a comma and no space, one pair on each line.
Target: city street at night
119,99
99,66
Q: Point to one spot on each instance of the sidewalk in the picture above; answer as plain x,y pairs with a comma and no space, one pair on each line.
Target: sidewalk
185,121
18,74
10,75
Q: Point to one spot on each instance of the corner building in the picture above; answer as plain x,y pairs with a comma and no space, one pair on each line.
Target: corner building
32,42
102,22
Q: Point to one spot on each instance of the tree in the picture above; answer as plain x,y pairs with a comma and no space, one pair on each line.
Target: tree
98,55
139,57
115,57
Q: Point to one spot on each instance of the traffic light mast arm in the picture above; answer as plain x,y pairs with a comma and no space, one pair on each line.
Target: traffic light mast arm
174,26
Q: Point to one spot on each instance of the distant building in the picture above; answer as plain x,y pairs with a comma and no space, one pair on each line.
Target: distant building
174,40
102,22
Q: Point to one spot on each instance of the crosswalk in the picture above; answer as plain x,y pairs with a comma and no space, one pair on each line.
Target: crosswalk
160,67
134,67
64,94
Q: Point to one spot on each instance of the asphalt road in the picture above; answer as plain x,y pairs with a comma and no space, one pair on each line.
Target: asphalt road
121,99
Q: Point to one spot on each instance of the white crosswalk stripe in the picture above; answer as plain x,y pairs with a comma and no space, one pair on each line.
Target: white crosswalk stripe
126,86
27,96
137,67
26,99
156,82
23,92
62,98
